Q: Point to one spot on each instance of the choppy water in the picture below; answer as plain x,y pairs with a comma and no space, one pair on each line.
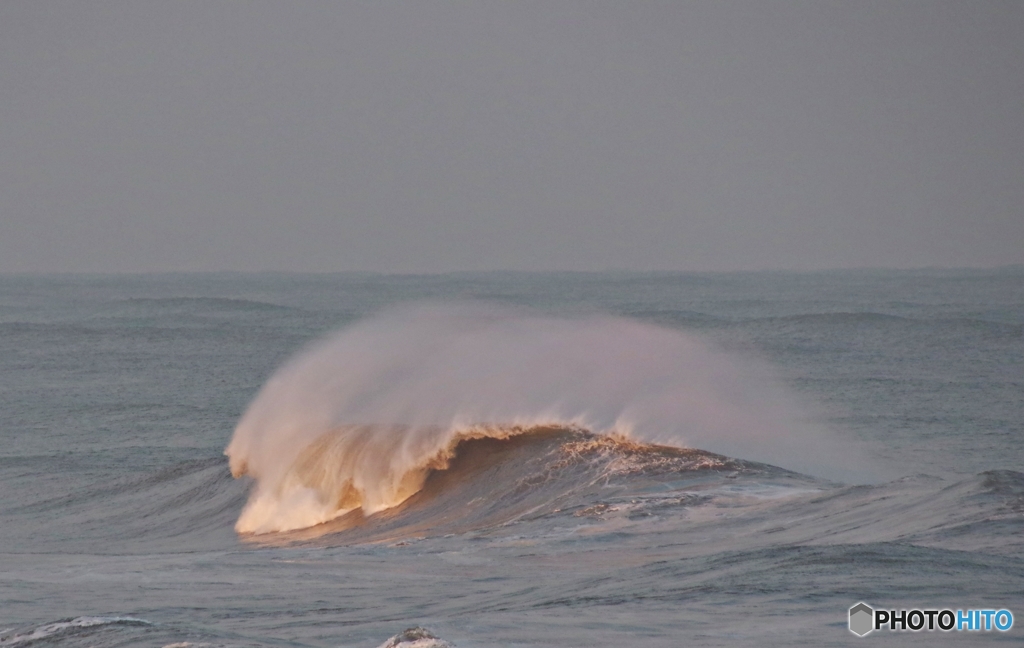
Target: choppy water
856,436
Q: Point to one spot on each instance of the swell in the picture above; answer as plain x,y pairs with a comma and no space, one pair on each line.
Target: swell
213,303
194,500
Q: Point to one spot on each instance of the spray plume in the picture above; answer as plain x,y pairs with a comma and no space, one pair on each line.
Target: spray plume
359,419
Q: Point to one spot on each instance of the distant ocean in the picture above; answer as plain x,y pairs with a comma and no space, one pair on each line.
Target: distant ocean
508,459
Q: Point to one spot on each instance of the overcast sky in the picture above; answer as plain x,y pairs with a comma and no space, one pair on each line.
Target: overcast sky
434,136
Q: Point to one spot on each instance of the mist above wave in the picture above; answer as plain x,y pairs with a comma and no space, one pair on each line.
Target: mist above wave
395,393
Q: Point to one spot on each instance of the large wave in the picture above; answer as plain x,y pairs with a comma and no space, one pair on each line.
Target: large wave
360,419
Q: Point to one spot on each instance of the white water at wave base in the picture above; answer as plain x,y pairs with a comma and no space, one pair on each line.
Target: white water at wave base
359,418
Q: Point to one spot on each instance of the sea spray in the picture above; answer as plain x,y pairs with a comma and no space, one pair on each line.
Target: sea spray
359,419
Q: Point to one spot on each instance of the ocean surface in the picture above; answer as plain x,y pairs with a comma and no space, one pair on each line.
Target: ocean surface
508,459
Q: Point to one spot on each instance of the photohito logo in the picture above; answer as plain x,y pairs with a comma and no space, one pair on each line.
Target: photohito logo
864,619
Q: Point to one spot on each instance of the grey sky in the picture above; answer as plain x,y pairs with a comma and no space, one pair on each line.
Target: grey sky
435,136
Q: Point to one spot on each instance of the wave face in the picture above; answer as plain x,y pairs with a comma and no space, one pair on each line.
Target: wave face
362,418
537,479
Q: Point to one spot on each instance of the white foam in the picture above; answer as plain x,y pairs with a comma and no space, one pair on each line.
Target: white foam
59,627
416,638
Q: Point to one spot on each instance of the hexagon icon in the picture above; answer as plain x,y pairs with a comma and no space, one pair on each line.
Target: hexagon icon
862,618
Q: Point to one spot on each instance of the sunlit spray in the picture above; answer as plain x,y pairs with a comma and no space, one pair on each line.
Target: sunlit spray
358,419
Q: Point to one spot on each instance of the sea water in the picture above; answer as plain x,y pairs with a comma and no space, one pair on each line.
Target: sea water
607,459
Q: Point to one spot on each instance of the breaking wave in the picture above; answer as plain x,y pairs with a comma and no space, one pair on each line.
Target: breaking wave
360,420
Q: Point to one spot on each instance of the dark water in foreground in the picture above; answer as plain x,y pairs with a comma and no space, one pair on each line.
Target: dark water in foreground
119,395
